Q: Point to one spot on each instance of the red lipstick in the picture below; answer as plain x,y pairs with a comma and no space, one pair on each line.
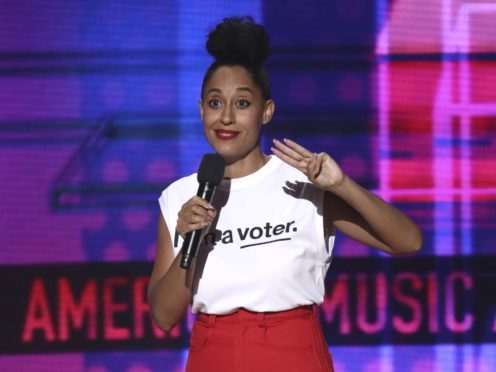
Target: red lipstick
225,134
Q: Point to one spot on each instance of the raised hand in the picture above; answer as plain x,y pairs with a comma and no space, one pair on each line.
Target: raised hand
321,169
195,214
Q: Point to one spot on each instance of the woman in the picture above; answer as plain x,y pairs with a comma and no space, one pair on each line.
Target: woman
269,231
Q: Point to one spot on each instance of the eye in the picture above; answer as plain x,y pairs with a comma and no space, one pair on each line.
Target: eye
214,103
243,103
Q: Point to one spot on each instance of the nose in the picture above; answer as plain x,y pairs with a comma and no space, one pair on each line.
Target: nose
227,116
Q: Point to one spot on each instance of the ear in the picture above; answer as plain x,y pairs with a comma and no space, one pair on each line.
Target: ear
201,108
269,109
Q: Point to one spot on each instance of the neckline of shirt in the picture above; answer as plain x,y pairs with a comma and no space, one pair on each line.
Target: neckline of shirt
253,178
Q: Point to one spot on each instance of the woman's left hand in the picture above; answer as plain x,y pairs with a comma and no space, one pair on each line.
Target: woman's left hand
321,169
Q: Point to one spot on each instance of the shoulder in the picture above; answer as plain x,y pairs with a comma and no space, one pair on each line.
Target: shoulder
181,188
286,171
182,183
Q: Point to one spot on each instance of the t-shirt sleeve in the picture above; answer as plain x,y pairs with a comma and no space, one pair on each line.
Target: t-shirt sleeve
170,217
164,204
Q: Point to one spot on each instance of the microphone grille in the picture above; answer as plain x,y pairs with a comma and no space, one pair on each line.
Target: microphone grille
211,169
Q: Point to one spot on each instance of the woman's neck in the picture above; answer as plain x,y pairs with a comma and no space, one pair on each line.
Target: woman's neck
248,165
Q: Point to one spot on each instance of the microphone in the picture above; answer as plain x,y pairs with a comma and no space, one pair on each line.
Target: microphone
210,175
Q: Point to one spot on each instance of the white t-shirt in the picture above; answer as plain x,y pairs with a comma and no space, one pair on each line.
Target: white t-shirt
266,250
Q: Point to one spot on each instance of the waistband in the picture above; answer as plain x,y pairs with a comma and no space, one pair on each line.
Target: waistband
243,315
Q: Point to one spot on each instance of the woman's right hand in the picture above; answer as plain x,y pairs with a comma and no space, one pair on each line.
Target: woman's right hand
195,214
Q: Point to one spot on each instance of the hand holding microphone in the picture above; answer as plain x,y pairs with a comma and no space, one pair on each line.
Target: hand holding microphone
210,175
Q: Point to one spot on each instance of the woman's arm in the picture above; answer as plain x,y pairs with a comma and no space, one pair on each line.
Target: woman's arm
169,291
365,217
353,210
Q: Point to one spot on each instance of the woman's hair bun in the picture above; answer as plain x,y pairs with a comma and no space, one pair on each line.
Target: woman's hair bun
239,40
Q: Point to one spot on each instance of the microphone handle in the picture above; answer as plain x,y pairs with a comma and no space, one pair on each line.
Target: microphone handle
192,240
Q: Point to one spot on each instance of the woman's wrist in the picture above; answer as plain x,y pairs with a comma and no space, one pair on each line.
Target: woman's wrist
340,188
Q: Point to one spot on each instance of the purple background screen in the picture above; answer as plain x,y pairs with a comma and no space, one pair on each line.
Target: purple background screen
98,113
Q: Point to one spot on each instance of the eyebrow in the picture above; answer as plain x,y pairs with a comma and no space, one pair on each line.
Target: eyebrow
240,89
244,89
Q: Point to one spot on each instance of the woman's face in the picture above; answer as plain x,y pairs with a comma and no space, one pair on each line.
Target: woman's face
233,111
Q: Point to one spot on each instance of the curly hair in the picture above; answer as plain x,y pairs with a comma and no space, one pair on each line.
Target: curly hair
239,41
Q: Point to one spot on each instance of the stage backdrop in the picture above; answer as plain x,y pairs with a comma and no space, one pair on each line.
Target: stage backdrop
98,113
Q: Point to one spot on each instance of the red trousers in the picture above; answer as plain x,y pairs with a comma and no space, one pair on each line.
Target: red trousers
245,341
